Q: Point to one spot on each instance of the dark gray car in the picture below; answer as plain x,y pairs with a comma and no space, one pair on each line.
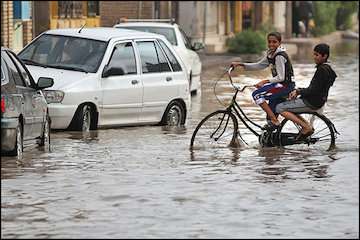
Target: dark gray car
24,111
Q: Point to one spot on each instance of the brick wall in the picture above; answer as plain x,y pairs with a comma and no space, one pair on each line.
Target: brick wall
27,31
112,11
7,23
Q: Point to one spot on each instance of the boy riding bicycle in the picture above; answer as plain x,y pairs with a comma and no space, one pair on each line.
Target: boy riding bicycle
274,89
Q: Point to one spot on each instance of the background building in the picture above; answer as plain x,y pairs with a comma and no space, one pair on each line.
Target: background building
7,23
211,22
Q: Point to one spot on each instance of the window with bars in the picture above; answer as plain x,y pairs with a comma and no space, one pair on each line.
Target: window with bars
70,9
92,8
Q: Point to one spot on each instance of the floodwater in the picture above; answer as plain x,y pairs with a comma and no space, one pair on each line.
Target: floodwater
139,182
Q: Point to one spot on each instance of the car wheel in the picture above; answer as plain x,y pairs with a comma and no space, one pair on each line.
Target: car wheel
174,115
19,143
82,119
86,118
45,138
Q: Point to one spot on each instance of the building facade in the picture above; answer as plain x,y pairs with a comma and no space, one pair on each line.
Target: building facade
7,24
210,22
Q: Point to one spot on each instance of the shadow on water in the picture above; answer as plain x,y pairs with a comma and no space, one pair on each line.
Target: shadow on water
271,163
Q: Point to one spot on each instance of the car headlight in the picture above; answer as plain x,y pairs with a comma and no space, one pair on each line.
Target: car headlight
53,96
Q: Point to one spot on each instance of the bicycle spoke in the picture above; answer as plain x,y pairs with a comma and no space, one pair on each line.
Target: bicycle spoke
215,130
323,137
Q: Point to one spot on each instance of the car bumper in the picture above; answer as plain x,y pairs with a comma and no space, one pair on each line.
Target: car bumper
61,115
8,133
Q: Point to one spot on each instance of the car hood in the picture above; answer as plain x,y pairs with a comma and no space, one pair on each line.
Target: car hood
63,79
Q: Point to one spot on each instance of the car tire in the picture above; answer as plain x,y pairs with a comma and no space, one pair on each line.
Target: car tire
45,137
83,119
19,143
174,114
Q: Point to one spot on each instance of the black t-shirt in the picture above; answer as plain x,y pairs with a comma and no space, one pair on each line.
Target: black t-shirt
316,94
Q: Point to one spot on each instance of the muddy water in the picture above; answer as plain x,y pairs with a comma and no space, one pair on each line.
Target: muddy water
145,182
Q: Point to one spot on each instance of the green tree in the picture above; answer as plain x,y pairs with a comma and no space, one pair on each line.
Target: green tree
247,41
330,16
344,13
325,17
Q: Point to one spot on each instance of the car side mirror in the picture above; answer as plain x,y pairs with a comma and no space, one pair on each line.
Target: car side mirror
197,46
112,71
44,82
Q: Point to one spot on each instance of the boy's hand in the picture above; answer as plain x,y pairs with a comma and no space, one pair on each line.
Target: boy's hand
261,83
293,94
235,64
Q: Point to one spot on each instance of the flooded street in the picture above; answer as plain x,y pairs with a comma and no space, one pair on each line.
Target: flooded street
144,182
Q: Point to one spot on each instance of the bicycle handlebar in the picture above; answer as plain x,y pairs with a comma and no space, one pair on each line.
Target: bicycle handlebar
231,68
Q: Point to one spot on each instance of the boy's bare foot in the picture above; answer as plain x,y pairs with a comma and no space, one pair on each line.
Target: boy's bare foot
304,133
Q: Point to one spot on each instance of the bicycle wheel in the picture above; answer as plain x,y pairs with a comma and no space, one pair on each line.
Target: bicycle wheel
323,138
218,129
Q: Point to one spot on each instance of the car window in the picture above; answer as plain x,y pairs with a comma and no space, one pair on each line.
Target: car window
185,39
66,52
152,59
167,32
174,63
164,65
22,71
14,71
123,57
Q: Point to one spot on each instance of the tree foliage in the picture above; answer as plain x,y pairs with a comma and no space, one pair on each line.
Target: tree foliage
247,42
330,16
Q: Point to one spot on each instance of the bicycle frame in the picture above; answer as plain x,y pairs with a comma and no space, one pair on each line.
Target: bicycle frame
234,107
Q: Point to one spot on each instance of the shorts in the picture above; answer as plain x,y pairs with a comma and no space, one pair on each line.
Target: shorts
294,106
271,92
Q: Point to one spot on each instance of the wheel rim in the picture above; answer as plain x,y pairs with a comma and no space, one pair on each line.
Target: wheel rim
323,138
174,116
86,119
19,146
216,130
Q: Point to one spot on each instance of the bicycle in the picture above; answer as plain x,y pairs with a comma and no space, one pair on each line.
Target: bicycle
221,128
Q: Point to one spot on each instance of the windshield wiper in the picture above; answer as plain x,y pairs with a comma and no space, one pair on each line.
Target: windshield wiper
69,68
31,62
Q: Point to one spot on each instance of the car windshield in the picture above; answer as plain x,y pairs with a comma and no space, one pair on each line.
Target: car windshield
65,52
169,33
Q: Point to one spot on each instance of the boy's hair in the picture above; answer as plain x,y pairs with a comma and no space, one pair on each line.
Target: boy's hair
277,35
323,49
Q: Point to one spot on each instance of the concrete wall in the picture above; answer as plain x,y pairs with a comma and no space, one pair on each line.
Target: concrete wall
280,16
190,18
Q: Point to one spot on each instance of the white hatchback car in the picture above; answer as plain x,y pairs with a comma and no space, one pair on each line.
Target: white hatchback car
181,42
106,77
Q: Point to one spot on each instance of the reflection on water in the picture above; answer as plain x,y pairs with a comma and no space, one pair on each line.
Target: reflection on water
139,182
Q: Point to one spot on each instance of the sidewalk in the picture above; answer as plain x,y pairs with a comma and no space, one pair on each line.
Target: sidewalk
296,47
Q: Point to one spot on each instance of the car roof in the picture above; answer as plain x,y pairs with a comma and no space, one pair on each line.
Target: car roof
146,24
5,49
101,33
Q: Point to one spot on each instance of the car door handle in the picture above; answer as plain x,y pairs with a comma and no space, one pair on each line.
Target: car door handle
133,82
168,79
